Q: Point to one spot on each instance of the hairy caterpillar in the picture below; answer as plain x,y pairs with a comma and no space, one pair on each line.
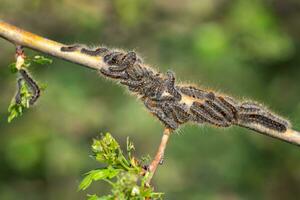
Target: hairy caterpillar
33,86
176,104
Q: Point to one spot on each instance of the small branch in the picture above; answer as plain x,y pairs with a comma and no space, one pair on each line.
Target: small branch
160,153
35,42
26,39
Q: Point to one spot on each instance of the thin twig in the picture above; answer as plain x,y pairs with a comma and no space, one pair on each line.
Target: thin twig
35,42
160,153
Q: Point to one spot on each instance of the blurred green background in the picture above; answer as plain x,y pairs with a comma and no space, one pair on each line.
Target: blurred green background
248,49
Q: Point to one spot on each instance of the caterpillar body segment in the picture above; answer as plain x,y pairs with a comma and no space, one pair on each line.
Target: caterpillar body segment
113,74
182,114
96,52
208,115
170,86
193,92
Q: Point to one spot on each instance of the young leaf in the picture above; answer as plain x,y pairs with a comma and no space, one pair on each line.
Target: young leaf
96,175
13,68
123,173
41,60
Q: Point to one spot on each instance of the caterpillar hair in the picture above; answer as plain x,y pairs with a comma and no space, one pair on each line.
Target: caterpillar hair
254,116
176,104
33,86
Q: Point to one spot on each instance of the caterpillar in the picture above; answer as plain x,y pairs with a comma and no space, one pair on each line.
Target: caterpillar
176,104
33,86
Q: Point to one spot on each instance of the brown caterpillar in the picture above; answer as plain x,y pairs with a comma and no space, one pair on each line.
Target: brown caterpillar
175,104
33,86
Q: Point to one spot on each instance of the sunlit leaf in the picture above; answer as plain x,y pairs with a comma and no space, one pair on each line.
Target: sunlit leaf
41,60
96,175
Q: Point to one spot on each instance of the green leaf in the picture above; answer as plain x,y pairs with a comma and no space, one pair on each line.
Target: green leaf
123,173
95,197
27,63
41,60
14,111
96,175
13,68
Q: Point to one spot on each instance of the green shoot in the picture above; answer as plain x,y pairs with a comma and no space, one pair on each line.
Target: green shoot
125,174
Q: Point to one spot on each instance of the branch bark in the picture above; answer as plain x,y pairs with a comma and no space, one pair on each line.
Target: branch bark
23,38
160,153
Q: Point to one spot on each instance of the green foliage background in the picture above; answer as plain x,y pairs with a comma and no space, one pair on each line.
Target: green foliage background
250,49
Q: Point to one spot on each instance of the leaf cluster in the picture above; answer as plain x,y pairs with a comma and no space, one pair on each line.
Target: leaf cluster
16,109
125,174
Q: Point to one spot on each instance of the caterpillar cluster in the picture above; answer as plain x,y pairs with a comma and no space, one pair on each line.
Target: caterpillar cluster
176,104
32,85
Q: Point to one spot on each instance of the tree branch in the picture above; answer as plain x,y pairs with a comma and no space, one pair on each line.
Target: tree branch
26,39
35,42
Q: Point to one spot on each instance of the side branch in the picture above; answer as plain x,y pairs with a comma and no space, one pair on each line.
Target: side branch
26,39
160,152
